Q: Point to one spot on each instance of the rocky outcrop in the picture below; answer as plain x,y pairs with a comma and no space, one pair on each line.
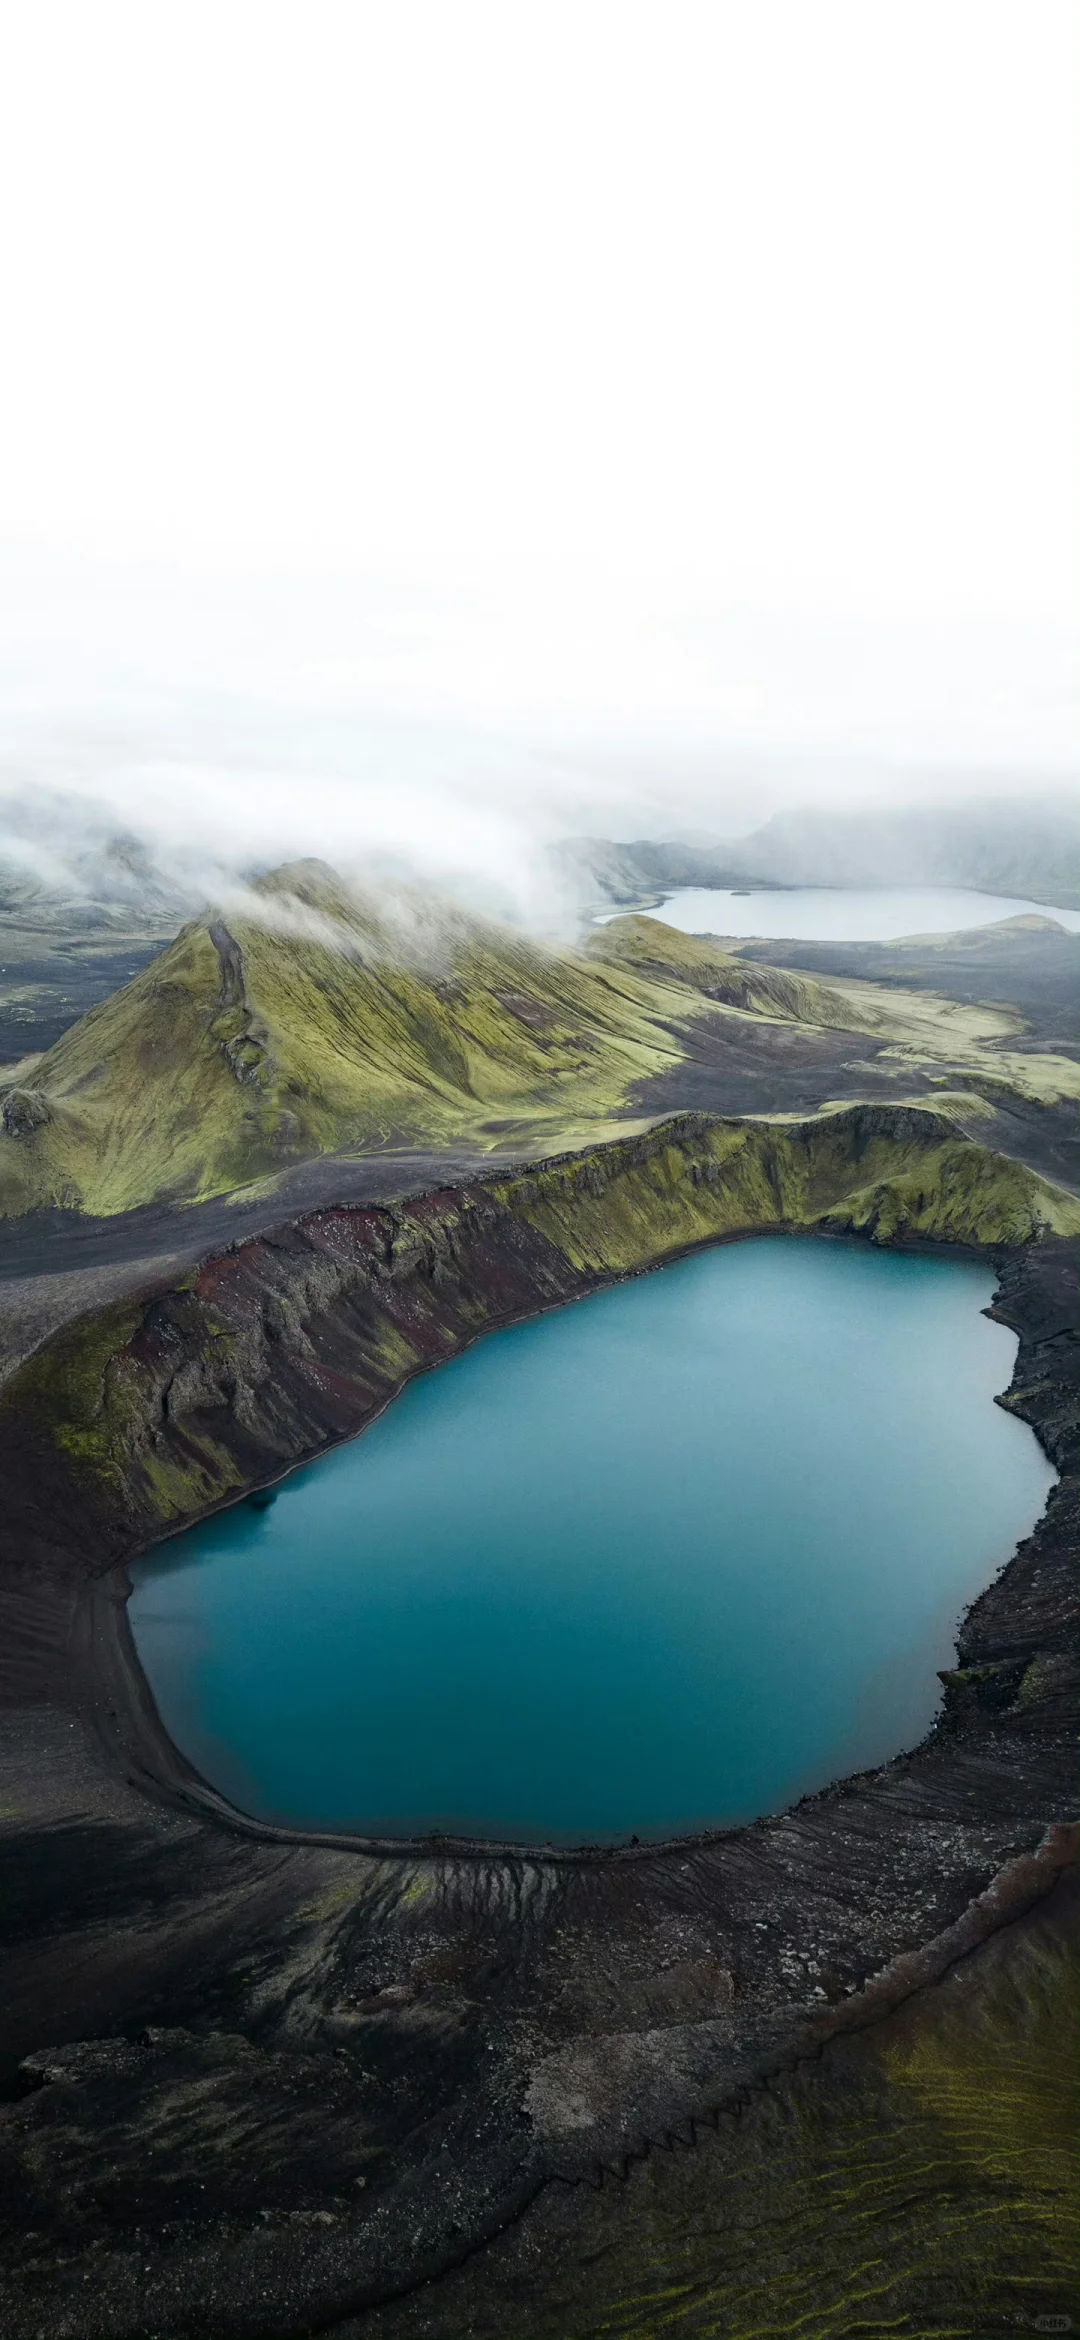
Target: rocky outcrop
23,1111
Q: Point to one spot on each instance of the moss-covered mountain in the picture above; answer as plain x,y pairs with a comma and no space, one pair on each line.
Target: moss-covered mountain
311,1022
307,1021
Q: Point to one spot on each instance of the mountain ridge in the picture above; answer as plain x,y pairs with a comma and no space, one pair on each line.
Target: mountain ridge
314,1021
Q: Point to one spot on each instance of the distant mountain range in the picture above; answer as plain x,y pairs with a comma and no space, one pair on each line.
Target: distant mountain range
1004,846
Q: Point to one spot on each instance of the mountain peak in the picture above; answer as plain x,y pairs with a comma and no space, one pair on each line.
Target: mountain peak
311,881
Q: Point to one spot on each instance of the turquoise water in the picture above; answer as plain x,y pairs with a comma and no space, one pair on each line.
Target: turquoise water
844,913
660,1561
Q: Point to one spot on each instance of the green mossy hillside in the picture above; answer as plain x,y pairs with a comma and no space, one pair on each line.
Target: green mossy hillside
894,1173
646,947
75,1392
312,1023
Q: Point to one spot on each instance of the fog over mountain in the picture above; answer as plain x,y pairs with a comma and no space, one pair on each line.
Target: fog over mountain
221,728
1015,845
67,865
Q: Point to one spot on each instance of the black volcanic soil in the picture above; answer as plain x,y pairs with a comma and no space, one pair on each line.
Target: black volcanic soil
258,2084
48,981
1033,971
54,1265
743,1071
737,1068
1032,968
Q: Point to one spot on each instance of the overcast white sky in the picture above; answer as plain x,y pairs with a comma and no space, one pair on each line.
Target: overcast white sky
533,397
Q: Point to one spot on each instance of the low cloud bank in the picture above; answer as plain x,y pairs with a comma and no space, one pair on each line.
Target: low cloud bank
163,742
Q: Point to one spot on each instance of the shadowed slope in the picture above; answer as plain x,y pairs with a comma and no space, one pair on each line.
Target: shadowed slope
919,2180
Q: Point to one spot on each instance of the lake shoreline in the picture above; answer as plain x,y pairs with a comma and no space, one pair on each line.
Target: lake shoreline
252,1589
837,915
651,898
487,1986
121,1707
111,1686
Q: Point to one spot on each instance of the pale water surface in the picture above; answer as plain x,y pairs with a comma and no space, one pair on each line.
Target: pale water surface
843,913
662,1560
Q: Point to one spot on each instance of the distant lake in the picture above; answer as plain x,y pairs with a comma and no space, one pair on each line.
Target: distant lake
843,914
659,1561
